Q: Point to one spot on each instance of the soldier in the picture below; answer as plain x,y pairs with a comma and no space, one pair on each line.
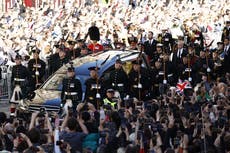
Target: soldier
119,79
167,40
19,78
205,65
158,53
218,67
139,81
94,35
72,89
93,87
59,59
36,68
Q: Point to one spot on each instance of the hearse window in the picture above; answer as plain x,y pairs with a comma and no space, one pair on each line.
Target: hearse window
54,83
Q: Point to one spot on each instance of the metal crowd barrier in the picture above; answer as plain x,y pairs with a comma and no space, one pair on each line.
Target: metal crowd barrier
5,84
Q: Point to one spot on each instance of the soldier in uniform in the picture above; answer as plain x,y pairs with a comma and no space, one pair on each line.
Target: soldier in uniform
19,78
119,79
158,53
59,59
93,87
218,67
36,68
139,81
72,89
205,65
167,40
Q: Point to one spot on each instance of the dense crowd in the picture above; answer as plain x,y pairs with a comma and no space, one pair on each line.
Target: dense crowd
143,110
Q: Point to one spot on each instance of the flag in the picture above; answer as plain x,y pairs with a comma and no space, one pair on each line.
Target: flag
181,86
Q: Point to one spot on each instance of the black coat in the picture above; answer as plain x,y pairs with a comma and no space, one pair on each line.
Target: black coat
150,49
71,85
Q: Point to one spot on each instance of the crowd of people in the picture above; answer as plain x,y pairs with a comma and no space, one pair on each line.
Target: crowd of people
144,110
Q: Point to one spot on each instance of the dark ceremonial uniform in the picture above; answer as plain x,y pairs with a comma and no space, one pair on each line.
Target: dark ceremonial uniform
40,67
118,81
139,82
71,90
19,78
167,42
203,67
58,62
92,89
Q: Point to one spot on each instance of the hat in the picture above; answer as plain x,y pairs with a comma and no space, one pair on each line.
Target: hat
93,68
18,57
36,50
70,42
80,40
159,45
110,90
70,69
220,43
119,61
180,37
132,39
57,45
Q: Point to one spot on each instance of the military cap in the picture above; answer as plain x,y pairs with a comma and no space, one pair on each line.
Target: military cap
119,61
110,90
80,40
132,39
220,43
36,50
180,38
57,45
93,68
159,45
70,69
18,57
70,42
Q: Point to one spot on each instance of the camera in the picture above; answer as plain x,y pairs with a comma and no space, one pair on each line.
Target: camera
42,110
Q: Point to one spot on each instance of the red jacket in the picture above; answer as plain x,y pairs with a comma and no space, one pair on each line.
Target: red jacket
95,47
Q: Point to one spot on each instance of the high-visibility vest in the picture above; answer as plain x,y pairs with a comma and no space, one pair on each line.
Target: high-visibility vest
108,102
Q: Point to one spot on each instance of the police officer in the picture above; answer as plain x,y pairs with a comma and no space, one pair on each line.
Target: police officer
109,101
139,80
36,68
72,89
19,78
93,87
119,79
